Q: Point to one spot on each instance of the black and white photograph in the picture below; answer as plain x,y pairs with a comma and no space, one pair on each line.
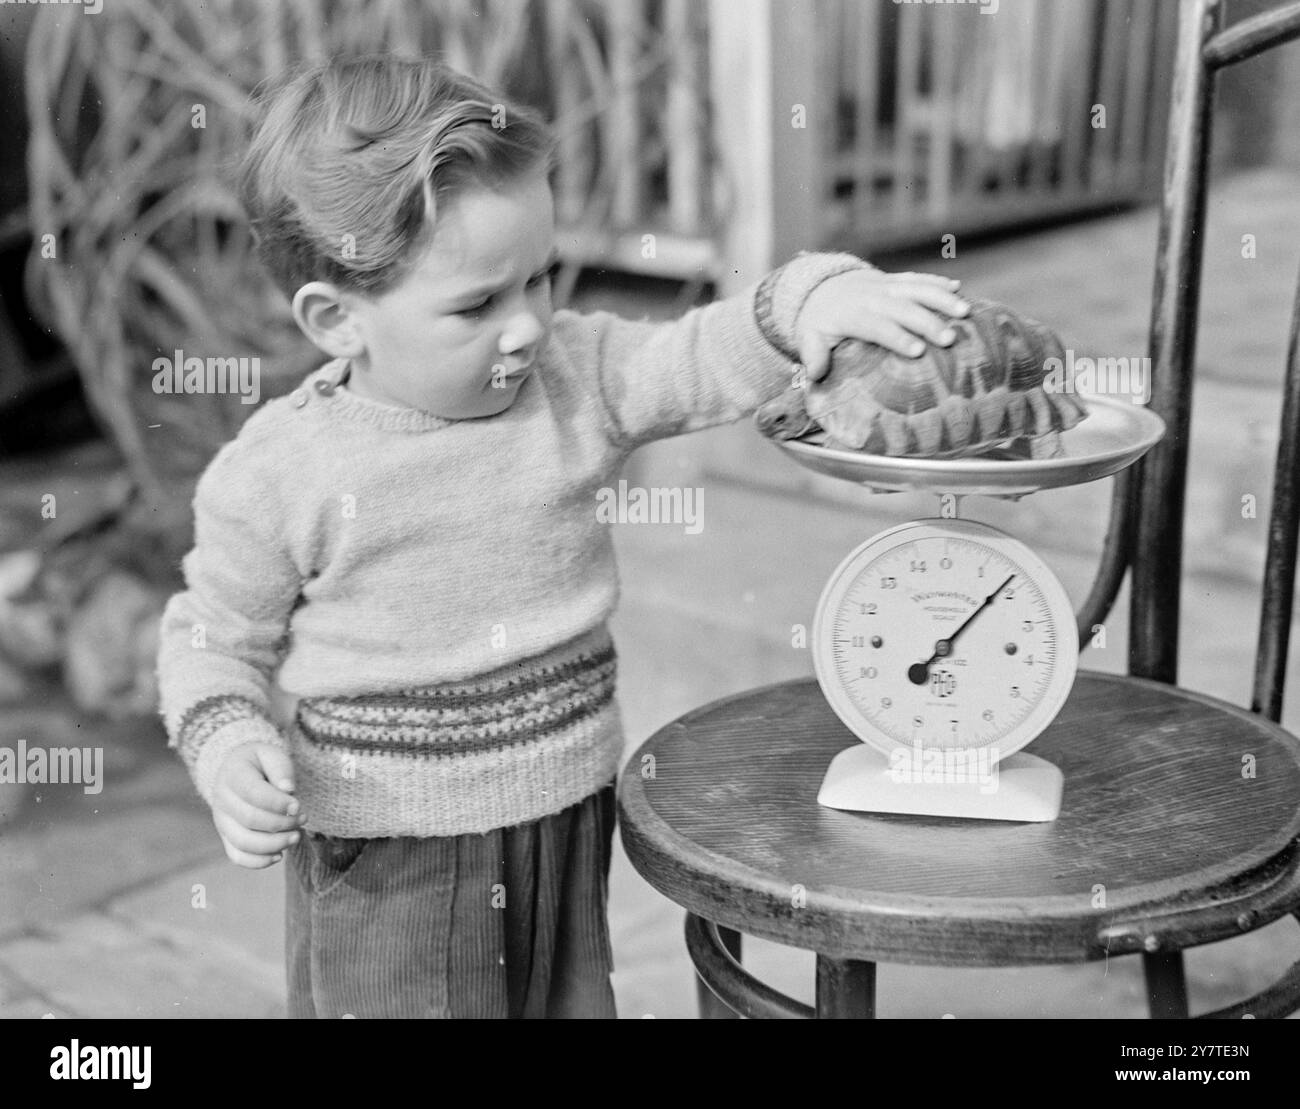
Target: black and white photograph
650,509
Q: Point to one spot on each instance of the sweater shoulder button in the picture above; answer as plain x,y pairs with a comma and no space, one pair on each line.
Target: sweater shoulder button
299,398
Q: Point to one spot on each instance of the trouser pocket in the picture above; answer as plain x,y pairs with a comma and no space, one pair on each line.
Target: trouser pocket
332,858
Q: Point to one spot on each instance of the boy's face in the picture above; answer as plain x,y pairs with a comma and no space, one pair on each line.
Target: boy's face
458,336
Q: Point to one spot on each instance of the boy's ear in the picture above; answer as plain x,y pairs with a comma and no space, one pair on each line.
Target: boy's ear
323,314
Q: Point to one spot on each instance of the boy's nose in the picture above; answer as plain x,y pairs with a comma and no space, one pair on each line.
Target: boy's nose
520,333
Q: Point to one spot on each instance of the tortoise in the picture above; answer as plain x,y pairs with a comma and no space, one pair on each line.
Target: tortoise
984,392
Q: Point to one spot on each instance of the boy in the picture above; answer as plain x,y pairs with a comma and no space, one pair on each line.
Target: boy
411,537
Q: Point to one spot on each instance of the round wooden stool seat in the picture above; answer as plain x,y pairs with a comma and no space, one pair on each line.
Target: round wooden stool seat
1174,801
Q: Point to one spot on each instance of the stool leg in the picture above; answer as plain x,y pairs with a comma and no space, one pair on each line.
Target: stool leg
1166,985
846,989
710,1007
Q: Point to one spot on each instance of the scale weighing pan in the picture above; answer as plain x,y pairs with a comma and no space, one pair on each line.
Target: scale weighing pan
1115,434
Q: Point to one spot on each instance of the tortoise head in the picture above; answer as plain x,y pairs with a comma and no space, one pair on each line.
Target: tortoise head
784,416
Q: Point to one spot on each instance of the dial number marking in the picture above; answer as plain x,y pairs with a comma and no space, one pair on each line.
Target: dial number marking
981,654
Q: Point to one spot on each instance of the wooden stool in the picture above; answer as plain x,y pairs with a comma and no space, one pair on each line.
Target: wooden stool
1169,836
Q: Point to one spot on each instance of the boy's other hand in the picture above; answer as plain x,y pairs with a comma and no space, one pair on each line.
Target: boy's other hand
255,818
894,310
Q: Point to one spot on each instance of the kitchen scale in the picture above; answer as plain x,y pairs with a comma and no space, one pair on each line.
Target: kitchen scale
945,645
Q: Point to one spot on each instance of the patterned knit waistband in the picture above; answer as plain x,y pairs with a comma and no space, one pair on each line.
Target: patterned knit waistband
508,707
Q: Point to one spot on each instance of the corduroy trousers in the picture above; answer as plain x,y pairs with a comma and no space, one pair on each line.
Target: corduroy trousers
510,923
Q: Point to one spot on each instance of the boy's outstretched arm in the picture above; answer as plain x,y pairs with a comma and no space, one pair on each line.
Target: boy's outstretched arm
220,642
720,362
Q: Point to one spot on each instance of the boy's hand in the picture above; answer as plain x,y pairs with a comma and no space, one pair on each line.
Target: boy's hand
894,310
255,818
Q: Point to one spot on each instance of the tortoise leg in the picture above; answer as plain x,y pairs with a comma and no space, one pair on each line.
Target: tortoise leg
1048,445
1067,410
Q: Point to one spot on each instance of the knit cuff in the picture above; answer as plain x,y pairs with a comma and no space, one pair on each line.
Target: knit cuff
781,294
213,728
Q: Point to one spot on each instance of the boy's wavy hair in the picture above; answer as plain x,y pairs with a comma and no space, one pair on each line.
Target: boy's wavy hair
351,158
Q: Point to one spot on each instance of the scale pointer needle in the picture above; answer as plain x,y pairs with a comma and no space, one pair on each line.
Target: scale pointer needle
919,672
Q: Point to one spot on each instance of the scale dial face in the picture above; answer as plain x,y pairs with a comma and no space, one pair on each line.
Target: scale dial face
945,634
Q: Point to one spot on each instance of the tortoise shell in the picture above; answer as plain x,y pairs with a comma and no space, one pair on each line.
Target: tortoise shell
983,391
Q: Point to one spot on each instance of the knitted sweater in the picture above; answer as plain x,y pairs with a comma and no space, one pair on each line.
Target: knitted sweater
436,591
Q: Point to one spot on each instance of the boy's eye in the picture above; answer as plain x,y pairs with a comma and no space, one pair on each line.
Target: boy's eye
475,310
483,305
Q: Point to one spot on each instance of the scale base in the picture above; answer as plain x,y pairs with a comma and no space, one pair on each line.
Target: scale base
1021,787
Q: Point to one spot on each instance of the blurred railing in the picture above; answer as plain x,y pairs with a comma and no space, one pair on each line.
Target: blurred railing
1039,106
719,139
876,125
